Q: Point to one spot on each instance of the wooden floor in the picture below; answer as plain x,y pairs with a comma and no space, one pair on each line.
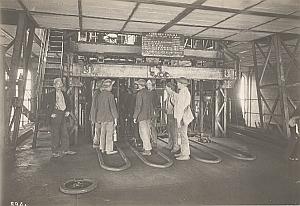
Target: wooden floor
35,179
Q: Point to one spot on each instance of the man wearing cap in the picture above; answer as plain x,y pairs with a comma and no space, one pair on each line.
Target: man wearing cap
58,106
104,114
143,113
155,101
183,116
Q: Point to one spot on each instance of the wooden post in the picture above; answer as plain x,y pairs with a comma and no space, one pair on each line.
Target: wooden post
217,102
15,62
282,87
76,112
201,114
22,85
3,113
225,113
257,79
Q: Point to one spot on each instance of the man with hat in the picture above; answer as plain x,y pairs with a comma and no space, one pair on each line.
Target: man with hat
183,116
104,114
143,113
58,106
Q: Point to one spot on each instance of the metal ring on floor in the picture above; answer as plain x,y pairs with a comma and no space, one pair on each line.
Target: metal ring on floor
166,165
78,186
217,159
114,169
238,154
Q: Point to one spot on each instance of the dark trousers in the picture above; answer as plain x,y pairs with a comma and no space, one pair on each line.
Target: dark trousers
59,132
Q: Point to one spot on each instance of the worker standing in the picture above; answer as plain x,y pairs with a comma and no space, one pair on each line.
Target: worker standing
104,114
58,106
183,116
143,113
171,121
155,102
96,138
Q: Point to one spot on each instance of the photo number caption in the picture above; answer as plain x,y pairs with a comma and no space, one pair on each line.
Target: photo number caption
18,204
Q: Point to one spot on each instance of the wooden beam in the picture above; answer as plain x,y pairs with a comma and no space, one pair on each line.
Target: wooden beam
282,87
27,49
137,50
130,16
80,14
15,61
221,9
257,78
142,71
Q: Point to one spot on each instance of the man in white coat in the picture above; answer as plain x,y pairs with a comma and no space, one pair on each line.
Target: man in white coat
183,116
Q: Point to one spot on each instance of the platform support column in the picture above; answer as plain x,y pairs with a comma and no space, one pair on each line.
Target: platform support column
282,87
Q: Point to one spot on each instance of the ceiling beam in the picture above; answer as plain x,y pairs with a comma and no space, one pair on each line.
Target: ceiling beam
180,16
130,16
229,18
211,8
80,14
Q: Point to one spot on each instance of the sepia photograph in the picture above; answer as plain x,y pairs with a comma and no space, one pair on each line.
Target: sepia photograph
149,102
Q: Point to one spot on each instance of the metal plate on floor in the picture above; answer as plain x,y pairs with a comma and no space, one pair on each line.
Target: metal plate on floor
78,186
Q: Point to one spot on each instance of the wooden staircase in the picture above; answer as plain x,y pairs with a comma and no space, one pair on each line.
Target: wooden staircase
50,67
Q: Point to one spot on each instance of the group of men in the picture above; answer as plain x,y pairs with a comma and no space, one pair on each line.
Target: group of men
105,116
177,106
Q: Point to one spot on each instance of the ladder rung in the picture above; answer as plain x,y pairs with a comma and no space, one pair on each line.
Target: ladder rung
52,51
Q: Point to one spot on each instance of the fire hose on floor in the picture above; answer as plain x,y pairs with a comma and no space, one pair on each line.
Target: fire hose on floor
110,168
235,153
169,162
214,160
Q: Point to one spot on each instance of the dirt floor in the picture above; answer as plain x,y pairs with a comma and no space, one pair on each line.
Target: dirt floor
33,178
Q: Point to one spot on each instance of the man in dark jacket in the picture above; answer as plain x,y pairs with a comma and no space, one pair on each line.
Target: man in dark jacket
143,113
104,113
58,107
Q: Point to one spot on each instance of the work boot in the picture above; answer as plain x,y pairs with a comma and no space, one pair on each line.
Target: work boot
112,152
146,152
175,150
178,155
183,157
95,145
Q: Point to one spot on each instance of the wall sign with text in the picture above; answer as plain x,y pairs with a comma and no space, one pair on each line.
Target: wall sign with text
162,45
